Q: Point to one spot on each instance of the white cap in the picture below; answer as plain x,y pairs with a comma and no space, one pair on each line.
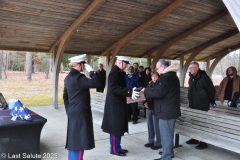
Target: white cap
78,59
123,58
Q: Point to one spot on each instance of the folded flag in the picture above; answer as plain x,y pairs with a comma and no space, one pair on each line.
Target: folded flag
20,111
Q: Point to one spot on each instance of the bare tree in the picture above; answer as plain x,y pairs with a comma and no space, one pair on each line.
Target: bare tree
1,62
4,63
47,67
29,56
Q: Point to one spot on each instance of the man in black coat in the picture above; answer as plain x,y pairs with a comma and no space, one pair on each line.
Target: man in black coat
115,120
166,104
200,94
102,78
76,98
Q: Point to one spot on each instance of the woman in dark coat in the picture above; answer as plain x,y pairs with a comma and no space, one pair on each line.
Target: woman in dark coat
76,98
146,79
115,120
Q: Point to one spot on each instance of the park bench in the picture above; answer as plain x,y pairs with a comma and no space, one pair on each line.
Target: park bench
98,101
216,128
225,110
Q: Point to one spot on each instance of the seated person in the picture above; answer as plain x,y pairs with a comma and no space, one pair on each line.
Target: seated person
236,101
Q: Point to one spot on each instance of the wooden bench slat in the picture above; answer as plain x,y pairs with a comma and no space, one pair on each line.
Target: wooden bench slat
216,140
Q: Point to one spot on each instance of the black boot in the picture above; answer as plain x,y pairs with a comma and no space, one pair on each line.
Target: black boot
201,146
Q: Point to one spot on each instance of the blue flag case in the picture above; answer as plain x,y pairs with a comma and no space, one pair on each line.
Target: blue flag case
20,111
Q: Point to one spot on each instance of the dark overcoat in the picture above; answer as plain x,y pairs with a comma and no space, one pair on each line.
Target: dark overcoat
166,96
76,98
102,77
201,91
115,120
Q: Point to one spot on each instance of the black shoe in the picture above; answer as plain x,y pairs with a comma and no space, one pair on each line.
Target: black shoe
134,122
124,151
129,120
192,141
160,153
158,159
201,146
156,147
119,153
148,145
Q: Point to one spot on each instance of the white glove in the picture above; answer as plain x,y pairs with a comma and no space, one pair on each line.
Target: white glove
88,67
135,94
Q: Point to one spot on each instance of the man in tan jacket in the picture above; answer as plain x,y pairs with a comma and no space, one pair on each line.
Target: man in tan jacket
229,85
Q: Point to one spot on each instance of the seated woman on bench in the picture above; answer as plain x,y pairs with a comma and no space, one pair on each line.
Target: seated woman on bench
236,100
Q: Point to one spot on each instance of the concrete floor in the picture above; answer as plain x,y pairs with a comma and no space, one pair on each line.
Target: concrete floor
53,138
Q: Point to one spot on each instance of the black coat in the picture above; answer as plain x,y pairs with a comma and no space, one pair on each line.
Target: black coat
201,91
235,100
149,100
115,119
102,77
166,95
76,98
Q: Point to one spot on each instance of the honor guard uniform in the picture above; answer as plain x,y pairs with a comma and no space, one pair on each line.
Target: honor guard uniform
76,98
115,120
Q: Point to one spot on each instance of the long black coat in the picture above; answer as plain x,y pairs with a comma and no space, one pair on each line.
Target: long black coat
115,120
201,91
166,96
76,98
102,77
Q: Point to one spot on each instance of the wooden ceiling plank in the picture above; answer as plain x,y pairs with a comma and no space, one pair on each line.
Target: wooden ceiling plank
211,42
146,24
164,47
23,49
79,21
225,51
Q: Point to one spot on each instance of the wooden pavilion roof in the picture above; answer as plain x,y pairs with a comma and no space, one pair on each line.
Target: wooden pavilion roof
139,28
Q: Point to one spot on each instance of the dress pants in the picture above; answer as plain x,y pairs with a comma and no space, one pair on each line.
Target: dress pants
115,144
167,135
75,155
153,128
133,109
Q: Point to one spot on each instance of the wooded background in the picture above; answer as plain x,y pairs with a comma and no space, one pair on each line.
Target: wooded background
32,62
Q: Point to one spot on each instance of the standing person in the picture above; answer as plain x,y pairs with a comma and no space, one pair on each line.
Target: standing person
166,102
76,98
135,66
102,77
132,81
145,80
141,71
200,94
152,121
115,121
229,85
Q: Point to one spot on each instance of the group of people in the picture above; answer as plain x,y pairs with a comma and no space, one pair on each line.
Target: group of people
162,91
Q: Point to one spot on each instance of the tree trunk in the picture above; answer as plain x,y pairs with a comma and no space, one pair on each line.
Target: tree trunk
4,62
47,68
29,66
238,62
1,63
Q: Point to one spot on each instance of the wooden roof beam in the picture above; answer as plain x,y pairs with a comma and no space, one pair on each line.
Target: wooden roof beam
23,49
189,32
223,52
162,48
220,55
79,21
121,42
209,43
